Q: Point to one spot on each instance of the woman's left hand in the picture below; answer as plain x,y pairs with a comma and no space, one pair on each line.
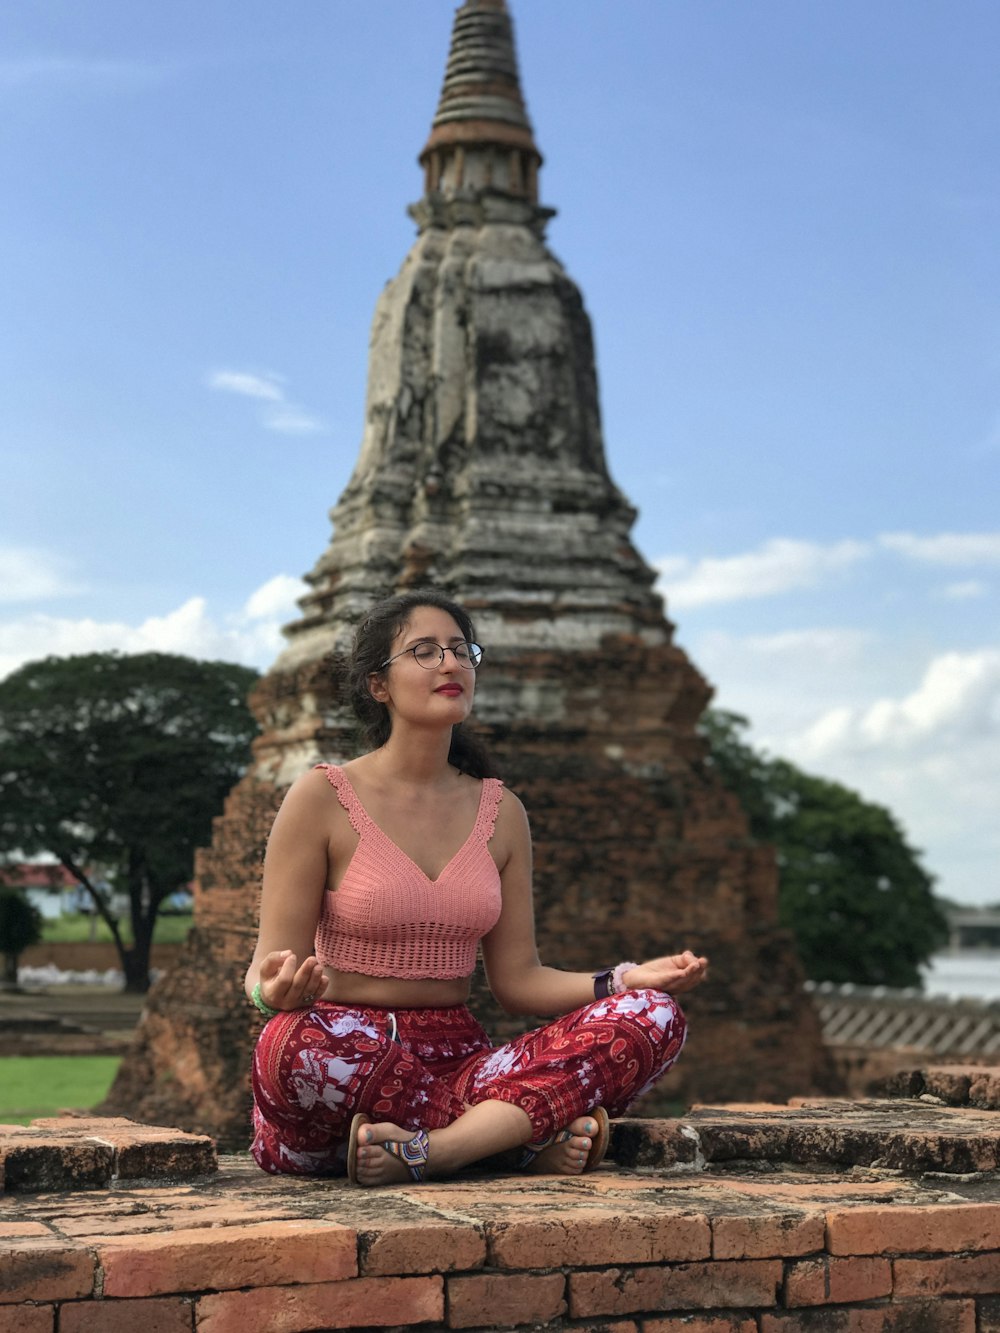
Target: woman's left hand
674,974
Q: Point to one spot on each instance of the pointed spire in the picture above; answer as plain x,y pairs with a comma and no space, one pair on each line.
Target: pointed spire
481,138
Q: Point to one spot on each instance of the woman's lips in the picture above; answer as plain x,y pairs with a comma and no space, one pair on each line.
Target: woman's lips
451,690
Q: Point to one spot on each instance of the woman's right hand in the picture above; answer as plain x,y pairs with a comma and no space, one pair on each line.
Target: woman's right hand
285,984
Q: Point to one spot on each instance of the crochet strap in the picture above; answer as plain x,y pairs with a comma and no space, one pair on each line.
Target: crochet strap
489,807
347,796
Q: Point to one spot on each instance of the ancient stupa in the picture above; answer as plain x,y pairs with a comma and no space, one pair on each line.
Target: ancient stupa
482,471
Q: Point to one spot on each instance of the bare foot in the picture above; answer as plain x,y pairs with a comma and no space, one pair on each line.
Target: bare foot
377,1165
567,1156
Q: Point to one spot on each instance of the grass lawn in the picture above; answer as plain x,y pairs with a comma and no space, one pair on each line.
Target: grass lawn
73,929
41,1085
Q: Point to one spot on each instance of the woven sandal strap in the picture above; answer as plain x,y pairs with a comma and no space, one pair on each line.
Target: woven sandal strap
412,1153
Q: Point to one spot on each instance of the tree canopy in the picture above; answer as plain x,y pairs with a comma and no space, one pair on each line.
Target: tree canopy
852,890
121,762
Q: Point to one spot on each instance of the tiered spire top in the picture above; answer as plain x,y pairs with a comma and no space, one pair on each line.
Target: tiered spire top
481,137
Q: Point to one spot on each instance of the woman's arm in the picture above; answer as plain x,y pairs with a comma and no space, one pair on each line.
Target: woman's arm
518,980
295,875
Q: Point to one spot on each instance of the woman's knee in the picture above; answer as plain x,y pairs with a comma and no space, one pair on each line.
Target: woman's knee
656,1012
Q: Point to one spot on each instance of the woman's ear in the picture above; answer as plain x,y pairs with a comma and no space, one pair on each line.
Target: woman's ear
377,688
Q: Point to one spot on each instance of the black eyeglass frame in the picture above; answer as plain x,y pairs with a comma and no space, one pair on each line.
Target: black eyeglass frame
474,650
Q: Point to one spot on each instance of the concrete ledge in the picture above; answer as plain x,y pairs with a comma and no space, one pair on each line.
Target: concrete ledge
699,1244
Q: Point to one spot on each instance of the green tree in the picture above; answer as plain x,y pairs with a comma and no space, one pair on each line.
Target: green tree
852,890
122,762
20,928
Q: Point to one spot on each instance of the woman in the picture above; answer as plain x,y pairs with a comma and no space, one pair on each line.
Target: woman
381,877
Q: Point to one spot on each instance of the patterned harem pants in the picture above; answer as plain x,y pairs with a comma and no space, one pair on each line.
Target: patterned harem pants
419,1068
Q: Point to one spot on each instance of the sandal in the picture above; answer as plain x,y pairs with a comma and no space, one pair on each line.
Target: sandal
598,1143
411,1152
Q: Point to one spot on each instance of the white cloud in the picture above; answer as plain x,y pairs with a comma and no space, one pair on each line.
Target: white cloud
947,548
957,699
267,386
282,416
963,592
780,565
251,635
276,597
28,573
290,420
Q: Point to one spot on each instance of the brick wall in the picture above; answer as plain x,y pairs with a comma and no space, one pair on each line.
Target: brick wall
816,1238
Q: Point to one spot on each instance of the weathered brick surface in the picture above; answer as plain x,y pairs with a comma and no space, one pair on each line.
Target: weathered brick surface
771,1234
361,1303
88,1152
57,1163
714,1323
241,1256
827,1281
909,1317
522,1298
989,1315
159,1315
428,1247
656,1143
675,1287
44,1271
901,1230
582,1240
27,1318
12,1229
958,1275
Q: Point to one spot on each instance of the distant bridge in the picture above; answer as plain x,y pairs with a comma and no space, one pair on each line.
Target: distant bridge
973,928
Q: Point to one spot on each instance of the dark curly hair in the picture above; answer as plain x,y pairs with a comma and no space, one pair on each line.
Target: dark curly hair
373,643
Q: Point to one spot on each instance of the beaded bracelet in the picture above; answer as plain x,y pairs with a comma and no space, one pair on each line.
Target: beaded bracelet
261,1003
618,977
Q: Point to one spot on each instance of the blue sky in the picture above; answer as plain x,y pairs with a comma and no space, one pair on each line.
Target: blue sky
783,217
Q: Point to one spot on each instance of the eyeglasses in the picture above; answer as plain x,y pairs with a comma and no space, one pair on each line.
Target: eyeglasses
430,655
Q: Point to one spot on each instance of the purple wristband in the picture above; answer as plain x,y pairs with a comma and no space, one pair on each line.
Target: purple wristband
602,984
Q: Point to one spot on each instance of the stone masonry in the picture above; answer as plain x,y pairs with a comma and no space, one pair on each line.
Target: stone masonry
482,471
821,1217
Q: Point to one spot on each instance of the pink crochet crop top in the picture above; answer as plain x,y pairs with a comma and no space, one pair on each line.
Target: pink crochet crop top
387,919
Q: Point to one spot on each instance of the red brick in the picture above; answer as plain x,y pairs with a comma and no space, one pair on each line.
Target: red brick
366,1302
27,1318
945,1228
597,1237
908,1317
197,1260
954,1276
989,1316
710,1323
608,1326
675,1287
837,1281
36,1270
151,1316
421,1247
522,1298
11,1229
767,1235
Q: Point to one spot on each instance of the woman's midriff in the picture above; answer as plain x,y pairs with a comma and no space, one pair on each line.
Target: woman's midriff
354,988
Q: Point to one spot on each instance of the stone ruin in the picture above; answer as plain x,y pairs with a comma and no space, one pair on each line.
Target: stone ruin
482,472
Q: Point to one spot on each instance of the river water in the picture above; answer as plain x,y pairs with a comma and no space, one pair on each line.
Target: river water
973,974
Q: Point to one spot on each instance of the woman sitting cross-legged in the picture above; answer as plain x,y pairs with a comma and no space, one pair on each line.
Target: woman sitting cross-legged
382,877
